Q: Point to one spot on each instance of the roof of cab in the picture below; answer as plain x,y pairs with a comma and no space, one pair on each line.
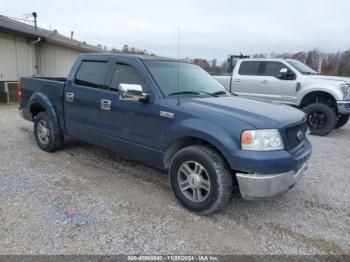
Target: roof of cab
106,56
266,59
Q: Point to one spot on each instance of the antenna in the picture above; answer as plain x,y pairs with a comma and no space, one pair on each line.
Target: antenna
178,66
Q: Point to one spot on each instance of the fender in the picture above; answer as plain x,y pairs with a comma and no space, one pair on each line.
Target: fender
331,90
44,101
194,128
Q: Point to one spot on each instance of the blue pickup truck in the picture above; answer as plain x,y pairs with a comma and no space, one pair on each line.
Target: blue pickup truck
172,115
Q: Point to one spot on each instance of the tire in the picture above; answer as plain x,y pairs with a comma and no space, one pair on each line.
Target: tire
321,119
45,135
207,167
342,120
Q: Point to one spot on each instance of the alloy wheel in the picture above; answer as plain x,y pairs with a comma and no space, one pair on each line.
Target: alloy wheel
43,132
193,181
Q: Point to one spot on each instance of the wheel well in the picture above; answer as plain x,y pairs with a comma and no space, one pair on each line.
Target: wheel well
319,97
182,143
36,109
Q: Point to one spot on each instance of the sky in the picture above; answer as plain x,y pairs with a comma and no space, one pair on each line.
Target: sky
208,28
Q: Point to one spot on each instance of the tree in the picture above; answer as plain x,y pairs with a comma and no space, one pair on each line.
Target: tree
202,63
125,49
114,50
344,65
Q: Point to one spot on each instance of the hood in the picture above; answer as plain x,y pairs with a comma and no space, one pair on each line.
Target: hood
255,113
331,78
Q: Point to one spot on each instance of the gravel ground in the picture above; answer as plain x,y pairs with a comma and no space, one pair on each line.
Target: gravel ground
86,200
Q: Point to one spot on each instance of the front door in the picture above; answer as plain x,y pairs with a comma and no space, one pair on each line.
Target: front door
129,126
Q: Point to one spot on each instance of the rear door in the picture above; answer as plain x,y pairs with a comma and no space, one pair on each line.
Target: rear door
82,101
246,79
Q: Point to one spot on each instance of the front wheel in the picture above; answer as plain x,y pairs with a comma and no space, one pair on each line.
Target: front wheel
342,120
321,118
200,179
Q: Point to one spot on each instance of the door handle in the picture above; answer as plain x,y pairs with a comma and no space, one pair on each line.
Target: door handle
69,97
264,81
105,104
237,80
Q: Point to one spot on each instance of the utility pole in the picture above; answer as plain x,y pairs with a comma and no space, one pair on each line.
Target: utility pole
319,67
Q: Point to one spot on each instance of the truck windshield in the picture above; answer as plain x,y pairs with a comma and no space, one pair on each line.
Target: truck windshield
194,81
302,68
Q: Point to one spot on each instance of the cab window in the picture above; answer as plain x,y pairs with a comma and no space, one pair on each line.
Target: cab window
124,74
251,68
273,68
90,73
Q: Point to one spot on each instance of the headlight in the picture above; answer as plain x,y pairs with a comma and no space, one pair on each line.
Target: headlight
261,140
345,88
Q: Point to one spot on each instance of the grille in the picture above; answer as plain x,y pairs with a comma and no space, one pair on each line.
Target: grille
292,135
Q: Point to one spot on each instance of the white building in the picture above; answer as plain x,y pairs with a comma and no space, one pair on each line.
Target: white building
26,51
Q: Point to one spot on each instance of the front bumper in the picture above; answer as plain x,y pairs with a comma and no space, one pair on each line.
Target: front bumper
344,106
269,162
260,186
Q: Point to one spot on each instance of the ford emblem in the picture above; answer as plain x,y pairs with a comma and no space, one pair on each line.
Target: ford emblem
300,135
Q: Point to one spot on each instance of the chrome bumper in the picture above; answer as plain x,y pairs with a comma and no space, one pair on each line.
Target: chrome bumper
259,186
344,106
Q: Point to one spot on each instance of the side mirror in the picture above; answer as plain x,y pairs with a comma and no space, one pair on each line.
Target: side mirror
132,92
284,71
285,74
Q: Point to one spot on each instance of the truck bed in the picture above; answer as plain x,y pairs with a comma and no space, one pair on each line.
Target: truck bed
59,79
51,88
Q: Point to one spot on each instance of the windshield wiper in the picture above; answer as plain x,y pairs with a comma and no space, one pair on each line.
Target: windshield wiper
184,93
217,93
211,94
223,92
190,93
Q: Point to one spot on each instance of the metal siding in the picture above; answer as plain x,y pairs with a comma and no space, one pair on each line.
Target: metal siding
8,66
47,68
32,59
56,60
15,59
65,57
18,57
25,65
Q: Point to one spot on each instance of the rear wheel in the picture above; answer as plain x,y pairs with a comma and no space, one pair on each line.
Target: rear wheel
342,120
45,135
321,118
200,179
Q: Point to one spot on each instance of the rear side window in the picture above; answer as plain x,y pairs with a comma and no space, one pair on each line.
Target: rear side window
273,68
251,68
90,73
125,74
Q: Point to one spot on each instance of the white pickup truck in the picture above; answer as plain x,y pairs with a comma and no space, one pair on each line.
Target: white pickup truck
325,99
